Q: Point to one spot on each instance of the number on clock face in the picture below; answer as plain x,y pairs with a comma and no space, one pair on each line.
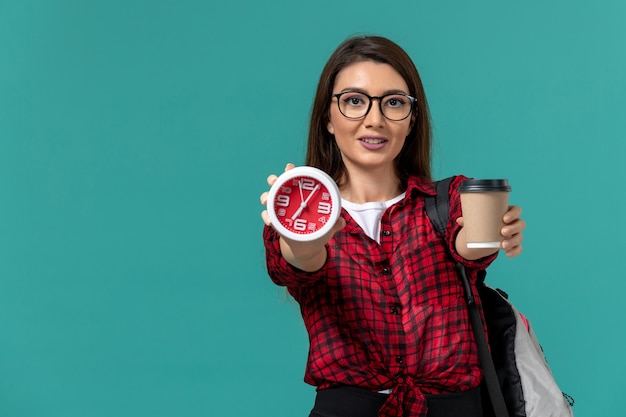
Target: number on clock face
307,183
282,200
324,207
303,206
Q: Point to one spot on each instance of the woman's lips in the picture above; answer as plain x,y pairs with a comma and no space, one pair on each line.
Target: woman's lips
373,143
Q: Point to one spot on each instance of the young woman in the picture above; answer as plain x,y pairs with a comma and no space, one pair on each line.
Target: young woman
379,295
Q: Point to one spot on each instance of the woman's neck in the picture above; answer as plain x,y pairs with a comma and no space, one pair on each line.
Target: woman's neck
370,186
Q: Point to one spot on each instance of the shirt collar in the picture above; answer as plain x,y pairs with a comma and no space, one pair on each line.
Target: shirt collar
416,185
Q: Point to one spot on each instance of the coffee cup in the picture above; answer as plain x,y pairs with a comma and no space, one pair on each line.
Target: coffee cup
484,203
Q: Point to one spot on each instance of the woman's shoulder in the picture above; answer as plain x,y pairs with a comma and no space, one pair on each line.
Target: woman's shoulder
427,186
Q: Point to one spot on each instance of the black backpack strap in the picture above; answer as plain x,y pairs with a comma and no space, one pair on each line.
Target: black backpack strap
438,211
438,207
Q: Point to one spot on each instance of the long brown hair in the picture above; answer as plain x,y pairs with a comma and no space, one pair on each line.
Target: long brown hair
322,150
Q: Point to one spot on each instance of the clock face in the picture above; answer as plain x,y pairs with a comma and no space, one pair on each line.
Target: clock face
304,203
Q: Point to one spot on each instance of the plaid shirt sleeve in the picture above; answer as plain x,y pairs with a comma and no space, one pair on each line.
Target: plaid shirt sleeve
389,315
280,271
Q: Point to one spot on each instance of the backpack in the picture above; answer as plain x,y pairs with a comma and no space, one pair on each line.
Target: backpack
518,380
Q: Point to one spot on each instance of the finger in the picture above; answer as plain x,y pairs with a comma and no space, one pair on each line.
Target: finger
460,222
512,242
271,179
512,214
513,228
265,217
264,198
512,253
341,223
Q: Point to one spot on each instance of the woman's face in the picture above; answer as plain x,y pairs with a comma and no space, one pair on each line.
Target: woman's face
374,141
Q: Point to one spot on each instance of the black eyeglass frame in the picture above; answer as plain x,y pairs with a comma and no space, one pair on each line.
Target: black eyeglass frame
380,104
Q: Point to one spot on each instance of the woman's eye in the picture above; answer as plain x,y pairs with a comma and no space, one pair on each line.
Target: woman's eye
355,101
394,101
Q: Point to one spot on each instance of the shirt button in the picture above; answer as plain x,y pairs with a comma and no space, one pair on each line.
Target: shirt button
386,271
386,233
399,359
394,311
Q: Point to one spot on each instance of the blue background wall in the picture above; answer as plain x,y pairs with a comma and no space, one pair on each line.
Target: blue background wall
135,139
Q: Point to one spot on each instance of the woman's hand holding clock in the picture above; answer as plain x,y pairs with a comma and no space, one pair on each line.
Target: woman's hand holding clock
308,221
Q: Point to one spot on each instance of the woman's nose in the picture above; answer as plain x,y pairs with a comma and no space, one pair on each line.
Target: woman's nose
374,117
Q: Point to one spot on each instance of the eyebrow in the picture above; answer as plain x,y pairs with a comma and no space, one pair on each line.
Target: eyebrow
360,90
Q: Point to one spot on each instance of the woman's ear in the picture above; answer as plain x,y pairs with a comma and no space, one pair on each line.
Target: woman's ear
330,128
413,117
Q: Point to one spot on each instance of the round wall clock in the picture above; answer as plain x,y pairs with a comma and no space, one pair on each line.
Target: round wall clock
304,203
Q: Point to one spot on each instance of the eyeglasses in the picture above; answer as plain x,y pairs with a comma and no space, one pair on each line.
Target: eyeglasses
356,105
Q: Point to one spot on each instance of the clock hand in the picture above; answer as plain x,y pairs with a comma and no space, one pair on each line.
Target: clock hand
304,203
317,187
300,188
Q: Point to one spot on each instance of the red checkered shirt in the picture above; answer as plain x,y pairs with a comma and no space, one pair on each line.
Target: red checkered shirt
389,315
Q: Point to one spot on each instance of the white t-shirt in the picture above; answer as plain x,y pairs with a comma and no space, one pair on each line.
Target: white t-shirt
368,215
